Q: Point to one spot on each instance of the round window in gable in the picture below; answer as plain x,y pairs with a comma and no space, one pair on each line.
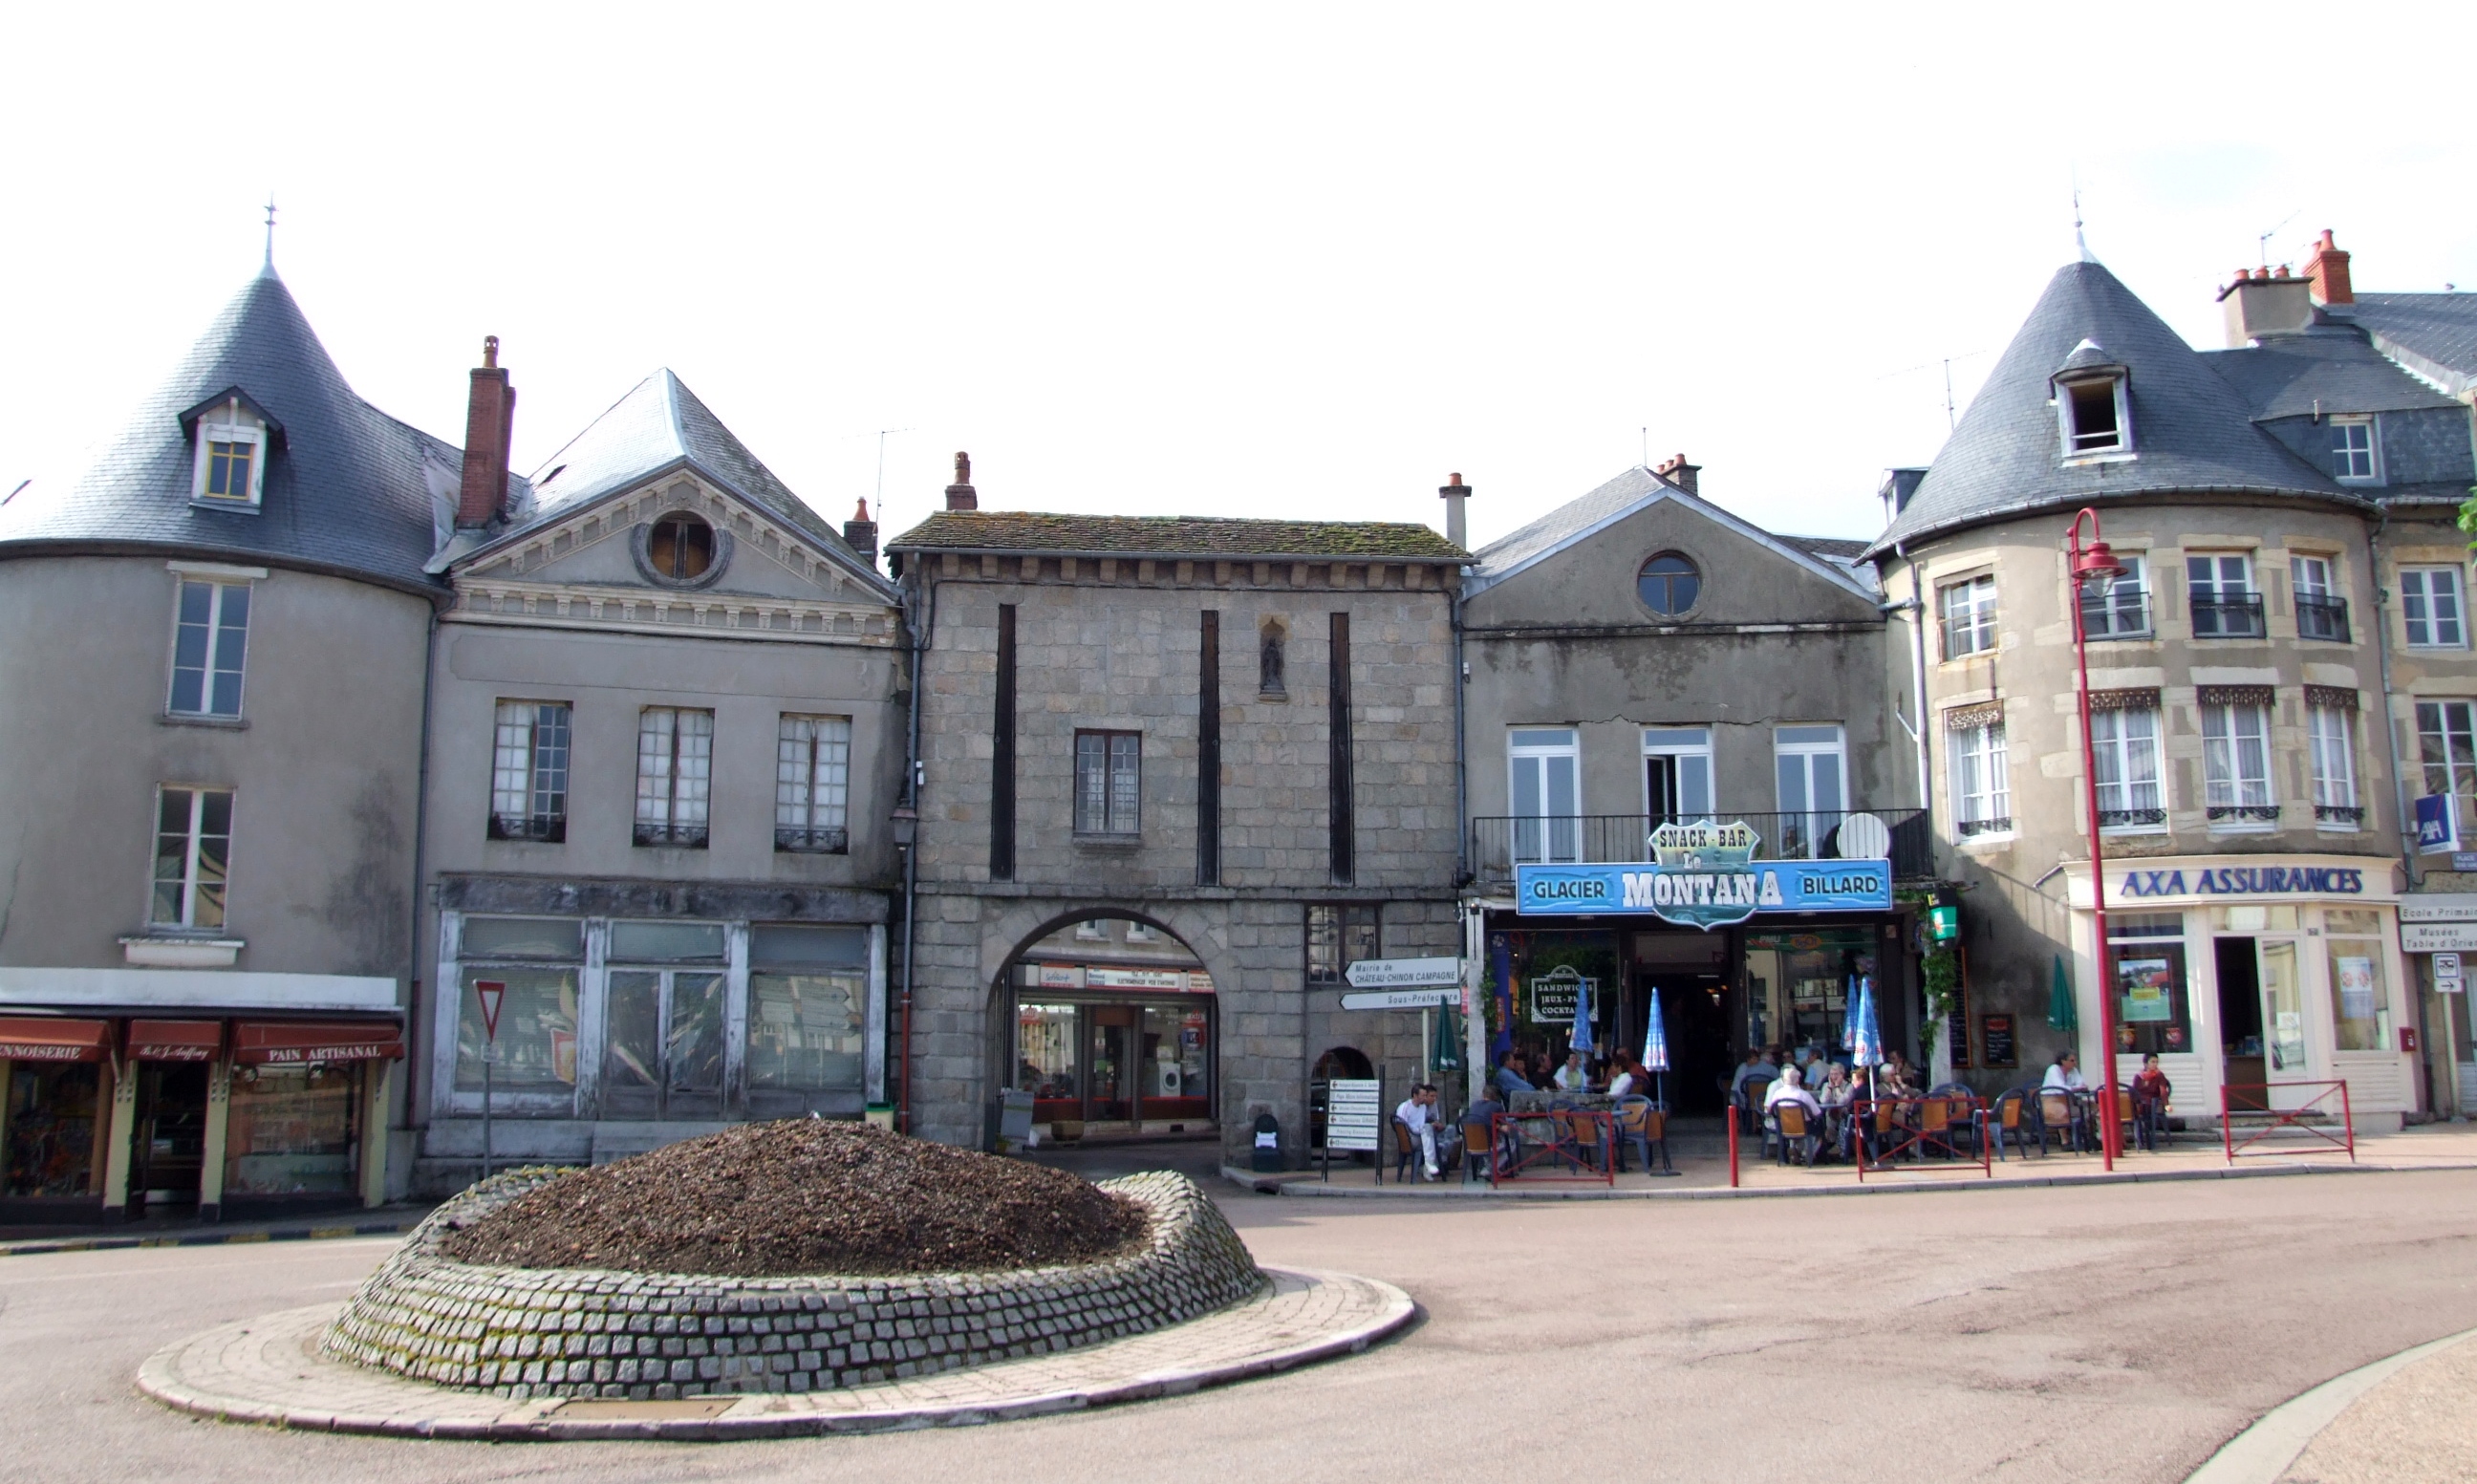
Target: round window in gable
1669,585
681,547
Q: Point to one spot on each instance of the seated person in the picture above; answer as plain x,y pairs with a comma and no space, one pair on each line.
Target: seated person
1790,1087
1836,1090
1509,1079
1758,1064
1629,1076
2151,1090
1419,1114
2063,1075
1575,1075
1817,1069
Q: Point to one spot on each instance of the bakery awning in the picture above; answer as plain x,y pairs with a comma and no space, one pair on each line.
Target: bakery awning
42,1039
300,1043
175,1041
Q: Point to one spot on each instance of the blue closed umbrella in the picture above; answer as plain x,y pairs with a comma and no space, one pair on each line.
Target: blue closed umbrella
1655,1048
1865,1037
1581,1038
1501,975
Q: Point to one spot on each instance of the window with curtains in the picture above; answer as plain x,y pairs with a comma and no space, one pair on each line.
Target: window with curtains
2430,608
674,775
1969,612
2220,588
812,784
529,771
1982,788
2236,755
1109,782
1812,775
2321,613
1545,765
2446,739
193,857
2124,741
209,637
2120,607
2331,723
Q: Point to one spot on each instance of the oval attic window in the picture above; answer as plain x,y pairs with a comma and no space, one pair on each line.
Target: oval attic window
681,547
1669,585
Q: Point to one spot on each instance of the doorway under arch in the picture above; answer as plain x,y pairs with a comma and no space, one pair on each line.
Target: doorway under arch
1113,1025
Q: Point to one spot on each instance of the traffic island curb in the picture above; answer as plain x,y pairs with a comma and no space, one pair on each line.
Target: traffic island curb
2266,1450
271,1372
39,1245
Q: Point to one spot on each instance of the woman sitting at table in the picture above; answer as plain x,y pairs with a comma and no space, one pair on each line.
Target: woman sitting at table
1836,1090
1575,1076
1628,1078
2151,1090
1894,1078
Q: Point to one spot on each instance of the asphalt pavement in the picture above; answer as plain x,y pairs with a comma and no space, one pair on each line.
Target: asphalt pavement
2120,1332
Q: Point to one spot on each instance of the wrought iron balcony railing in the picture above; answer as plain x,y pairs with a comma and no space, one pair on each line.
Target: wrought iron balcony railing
1501,844
2228,616
2318,616
549,828
822,839
682,836
2115,616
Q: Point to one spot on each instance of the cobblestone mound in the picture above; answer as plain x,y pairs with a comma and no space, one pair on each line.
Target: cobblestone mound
522,1332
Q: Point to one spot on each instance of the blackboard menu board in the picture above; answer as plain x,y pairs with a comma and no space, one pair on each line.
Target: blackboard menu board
1955,1025
1996,1040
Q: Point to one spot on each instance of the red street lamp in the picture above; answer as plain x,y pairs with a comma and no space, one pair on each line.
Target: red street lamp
2095,563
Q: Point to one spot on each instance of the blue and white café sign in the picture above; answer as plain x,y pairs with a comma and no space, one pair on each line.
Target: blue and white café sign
1703,875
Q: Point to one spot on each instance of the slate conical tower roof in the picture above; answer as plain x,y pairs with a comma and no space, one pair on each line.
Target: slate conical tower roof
2192,432
346,488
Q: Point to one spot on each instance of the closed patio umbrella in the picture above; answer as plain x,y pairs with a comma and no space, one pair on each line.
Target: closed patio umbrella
1655,1049
1580,1040
1446,1055
2061,1014
1865,1036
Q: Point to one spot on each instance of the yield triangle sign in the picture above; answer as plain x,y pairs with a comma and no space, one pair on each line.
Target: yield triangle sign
491,993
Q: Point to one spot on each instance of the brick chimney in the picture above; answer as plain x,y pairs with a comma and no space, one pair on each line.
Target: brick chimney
961,495
859,533
489,422
1457,524
2328,268
1684,475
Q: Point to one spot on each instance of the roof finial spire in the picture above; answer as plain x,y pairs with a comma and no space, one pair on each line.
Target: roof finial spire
270,231
2081,243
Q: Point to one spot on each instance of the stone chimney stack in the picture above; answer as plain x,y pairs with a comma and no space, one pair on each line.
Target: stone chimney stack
961,495
489,422
2328,268
859,533
2261,303
1684,475
1457,520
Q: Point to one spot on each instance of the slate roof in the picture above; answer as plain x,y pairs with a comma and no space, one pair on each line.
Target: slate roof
2434,334
1175,536
345,487
2192,430
2322,372
1580,518
659,427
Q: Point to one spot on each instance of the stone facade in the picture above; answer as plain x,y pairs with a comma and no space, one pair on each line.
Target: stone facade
585,1332
1115,644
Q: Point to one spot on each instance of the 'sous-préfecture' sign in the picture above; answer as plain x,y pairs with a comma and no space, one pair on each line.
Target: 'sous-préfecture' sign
1705,875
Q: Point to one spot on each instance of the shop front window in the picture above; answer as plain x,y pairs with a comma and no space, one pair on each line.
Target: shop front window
807,987
51,1128
1797,988
2361,999
538,962
292,1130
1171,1072
2152,1009
1045,1060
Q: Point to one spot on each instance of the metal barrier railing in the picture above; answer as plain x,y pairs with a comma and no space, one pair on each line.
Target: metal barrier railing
2298,1119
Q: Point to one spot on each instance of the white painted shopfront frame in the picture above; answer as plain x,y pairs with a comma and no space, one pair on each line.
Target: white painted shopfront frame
2383,1083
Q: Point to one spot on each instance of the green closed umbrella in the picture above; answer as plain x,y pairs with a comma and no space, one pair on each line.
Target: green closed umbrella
2060,1015
1446,1055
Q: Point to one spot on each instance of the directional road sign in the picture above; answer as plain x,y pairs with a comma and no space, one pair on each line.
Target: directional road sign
1403,973
1403,999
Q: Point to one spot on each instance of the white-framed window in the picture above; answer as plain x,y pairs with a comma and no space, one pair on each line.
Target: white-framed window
674,775
812,784
1109,782
2446,737
1809,767
2219,585
2096,416
2354,456
2119,607
2235,761
209,640
2124,741
2320,612
529,771
1982,784
231,463
193,857
1093,930
1677,772
2332,730
2430,608
1968,609
1546,767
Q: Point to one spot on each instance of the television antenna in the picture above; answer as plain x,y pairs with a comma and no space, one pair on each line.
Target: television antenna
2261,243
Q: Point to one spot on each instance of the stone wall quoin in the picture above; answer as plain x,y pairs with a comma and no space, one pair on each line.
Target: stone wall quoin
583,1332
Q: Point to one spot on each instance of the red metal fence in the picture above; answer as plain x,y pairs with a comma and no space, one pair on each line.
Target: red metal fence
2310,1118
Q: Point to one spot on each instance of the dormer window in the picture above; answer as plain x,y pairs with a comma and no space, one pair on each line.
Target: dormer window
2094,404
231,436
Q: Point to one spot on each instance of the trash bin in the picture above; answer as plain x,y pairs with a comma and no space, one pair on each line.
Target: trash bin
1269,1144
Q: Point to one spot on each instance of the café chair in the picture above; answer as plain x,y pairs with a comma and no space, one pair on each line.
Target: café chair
1480,1160
2014,1120
1640,1125
1795,1133
1406,1148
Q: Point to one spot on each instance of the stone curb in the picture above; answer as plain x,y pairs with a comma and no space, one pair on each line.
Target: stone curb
2262,1452
1270,1185
209,1239
158,1378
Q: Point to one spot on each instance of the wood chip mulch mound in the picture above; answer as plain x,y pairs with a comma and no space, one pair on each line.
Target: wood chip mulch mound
806,1196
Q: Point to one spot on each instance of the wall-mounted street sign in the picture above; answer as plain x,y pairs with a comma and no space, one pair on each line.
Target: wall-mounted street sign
1703,875
1403,999
1403,973
2438,937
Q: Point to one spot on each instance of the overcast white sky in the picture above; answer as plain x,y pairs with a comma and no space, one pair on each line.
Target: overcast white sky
1271,260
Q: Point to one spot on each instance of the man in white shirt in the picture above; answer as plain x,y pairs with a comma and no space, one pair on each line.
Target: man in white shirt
1790,1088
1419,1114
2064,1075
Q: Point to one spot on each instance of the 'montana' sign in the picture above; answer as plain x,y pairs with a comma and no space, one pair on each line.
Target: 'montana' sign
1704,876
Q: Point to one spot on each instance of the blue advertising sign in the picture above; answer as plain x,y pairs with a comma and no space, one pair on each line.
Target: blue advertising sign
1704,877
2437,824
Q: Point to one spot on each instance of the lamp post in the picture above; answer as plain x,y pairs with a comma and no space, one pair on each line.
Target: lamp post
2089,563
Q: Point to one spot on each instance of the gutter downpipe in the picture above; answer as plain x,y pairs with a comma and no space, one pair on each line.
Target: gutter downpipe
918,608
415,1023
1475,1070
1916,610
2449,1081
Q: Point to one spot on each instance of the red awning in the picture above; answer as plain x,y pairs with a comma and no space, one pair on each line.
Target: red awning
299,1042
175,1041
39,1039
